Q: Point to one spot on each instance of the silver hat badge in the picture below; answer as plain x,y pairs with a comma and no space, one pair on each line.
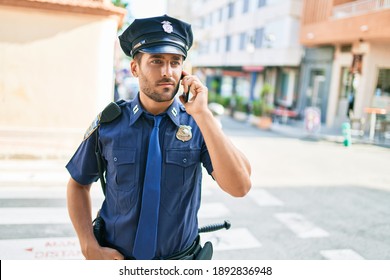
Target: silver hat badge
166,25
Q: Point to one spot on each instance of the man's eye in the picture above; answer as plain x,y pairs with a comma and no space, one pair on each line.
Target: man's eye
175,63
156,61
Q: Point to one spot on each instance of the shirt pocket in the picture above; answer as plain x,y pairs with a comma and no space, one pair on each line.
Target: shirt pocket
125,175
180,168
125,168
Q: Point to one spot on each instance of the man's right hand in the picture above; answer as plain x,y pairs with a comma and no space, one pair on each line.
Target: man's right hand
102,253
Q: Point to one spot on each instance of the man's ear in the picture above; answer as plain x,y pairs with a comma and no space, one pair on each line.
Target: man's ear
134,68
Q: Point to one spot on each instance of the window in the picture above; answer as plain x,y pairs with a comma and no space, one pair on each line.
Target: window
383,84
287,87
345,83
210,19
228,43
259,38
261,3
231,10
245,7
220,14
202,22
242,41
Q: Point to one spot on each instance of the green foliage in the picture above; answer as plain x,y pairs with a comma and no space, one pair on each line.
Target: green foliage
217,98
266,90
260,107
264,107
240,103
120,3
257,108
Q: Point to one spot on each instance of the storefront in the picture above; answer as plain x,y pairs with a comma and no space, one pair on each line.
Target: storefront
315,79
360,80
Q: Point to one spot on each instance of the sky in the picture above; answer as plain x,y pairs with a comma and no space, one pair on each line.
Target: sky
147,8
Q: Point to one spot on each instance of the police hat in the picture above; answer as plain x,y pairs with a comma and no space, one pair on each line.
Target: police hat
162,34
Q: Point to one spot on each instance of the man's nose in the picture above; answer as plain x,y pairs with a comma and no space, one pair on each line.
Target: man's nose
167,70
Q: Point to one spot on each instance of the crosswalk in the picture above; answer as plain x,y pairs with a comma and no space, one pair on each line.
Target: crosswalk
34,222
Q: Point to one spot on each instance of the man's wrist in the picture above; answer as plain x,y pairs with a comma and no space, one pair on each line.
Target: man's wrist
90,247
203,115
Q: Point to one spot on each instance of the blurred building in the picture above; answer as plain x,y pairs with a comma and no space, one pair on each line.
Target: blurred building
346,67
56,64
242,44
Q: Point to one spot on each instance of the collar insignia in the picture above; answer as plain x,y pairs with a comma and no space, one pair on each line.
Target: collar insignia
135,109
174,112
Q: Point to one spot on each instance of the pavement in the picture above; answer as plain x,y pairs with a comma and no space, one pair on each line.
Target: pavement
37,143
296,129
341,193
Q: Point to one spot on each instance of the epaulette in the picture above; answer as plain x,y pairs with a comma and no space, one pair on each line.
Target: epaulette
110,113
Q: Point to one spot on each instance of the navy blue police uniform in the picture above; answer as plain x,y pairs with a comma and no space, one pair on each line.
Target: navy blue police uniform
123,144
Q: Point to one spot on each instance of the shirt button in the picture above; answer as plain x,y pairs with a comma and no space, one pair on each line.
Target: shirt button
115,159
184,160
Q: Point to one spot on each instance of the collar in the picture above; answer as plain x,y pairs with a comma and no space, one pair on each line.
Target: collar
173,111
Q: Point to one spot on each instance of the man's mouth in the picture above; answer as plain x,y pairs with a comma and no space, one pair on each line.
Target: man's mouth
166,83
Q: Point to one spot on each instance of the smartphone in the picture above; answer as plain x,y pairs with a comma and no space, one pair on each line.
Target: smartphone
186,95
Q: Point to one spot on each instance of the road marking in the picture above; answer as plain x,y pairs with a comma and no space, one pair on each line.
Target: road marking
213,210
69,248
35,215
32,192
59,215
301,226
52,192
342,254
232,239
33,178
264,198
41,249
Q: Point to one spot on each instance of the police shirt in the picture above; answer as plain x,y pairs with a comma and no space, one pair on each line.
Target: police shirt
124,145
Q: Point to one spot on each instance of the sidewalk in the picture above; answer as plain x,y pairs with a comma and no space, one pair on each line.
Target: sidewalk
34,143
296,129
38,143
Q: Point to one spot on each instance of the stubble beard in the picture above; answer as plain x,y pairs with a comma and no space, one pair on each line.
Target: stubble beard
164,96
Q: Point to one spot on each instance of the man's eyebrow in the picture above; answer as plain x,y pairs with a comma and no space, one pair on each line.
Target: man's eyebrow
175,57
156,56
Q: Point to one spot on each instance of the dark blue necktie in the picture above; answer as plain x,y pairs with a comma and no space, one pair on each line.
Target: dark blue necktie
146,236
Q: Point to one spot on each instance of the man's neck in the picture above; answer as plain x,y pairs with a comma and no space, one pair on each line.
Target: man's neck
153,107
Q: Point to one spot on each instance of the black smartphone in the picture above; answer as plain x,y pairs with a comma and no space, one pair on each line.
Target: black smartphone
186,94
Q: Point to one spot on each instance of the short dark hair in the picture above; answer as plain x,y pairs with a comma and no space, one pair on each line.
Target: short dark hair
137,57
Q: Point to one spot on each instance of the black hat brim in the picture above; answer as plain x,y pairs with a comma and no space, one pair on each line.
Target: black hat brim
163,49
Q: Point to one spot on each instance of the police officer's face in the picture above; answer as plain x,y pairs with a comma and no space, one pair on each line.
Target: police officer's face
159,75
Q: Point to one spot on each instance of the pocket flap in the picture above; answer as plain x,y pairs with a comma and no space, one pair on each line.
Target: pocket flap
182,157
124,156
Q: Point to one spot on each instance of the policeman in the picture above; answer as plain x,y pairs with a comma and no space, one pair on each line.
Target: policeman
156,129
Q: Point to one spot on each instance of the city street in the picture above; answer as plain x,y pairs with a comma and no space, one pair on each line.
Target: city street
310,200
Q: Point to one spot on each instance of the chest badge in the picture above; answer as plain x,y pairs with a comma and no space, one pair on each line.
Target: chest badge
184,133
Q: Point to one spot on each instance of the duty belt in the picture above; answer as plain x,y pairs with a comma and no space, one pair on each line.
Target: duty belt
189,253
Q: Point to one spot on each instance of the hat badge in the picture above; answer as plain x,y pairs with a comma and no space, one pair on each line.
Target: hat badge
166,25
